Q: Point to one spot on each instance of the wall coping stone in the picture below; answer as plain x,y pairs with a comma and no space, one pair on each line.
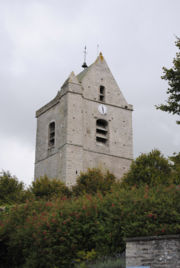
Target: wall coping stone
149,238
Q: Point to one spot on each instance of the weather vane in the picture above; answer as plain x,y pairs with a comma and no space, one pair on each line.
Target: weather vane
85,53
97,49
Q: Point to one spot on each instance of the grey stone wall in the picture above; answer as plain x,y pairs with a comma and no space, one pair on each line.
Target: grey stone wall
117,165
50,161
155,251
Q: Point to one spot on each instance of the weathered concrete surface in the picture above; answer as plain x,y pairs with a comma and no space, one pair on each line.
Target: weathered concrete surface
75,111
155,251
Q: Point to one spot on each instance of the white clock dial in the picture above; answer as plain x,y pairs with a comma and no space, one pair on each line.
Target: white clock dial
102,109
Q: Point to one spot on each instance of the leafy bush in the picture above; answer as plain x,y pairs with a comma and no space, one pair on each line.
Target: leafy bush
93,181
52,234
49,188
11,190
175,166
151,210
152,169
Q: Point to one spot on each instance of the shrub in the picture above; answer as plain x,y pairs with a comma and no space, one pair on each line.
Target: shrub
152,169
49,188
175,166
52,234
93,181
11,190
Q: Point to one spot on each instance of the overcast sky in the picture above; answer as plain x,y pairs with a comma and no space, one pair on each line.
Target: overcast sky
42,41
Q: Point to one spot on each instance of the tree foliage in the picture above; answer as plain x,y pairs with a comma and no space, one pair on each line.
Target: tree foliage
93,181
46,188
175,167
11,190
152,168
172,75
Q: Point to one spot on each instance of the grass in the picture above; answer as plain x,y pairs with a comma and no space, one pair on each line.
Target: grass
106,263
118,263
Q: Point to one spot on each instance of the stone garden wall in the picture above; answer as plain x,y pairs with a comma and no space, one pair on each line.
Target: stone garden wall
154,251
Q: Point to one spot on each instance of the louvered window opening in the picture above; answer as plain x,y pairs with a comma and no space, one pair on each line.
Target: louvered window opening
101,131
51,134
102,93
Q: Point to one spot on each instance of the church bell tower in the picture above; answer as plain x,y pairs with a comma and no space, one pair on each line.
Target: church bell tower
88,124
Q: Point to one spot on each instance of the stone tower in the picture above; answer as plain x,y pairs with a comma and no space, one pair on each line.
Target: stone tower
88,124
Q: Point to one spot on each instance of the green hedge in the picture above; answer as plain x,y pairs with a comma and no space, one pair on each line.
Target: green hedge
92,181
53,234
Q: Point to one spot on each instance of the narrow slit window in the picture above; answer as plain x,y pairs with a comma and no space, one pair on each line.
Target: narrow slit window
51,134
101,131
102,93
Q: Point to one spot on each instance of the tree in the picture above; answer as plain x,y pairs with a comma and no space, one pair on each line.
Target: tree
93,181
152,168
172,75
175,160
49,188
11,190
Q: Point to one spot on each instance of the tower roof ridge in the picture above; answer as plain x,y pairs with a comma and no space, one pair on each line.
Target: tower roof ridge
83,73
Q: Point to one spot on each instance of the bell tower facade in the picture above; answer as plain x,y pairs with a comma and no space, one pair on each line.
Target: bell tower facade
88,124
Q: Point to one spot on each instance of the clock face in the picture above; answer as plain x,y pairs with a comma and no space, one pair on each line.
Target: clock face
102,109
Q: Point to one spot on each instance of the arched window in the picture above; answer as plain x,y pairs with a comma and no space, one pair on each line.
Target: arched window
101,131
51,138
102,93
